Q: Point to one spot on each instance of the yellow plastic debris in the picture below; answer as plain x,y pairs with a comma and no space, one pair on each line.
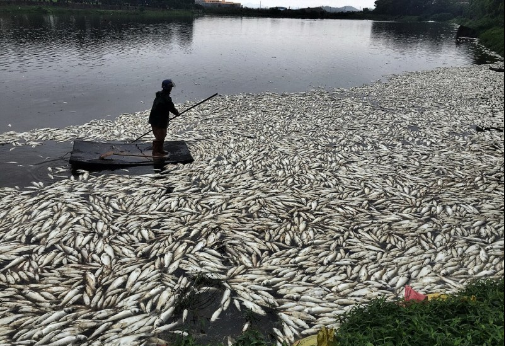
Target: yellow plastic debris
445,296
310,341
411,294
325,337
437,296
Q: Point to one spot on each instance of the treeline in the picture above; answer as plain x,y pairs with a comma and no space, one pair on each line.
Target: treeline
307,13
474,9
418,7
154,4
485,8
178,4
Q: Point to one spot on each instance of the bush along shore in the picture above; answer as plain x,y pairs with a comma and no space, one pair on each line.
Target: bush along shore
489,35
472,316
120,11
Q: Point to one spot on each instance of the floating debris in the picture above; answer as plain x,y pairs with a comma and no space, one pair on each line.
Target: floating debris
304,203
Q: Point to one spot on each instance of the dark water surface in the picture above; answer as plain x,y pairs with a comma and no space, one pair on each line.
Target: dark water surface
20,166
65,70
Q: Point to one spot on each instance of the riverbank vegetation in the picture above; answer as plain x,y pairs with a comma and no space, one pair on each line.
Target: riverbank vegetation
106,4
473,316
485,17
140,13
158,8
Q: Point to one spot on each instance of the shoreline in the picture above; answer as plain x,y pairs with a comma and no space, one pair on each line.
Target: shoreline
320,200
32,136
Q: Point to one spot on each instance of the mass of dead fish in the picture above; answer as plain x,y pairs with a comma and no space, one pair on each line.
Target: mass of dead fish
305,204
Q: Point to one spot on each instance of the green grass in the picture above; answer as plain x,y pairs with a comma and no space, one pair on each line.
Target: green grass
490,31
493,39
457,321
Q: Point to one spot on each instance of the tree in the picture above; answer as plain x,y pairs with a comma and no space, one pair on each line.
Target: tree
486,8
475,8
402,7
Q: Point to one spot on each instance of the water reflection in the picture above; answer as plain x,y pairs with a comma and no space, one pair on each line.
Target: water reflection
30,39
409,37
432,38
413,32
63,70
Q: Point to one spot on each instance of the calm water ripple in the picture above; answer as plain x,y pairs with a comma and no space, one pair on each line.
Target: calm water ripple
64,70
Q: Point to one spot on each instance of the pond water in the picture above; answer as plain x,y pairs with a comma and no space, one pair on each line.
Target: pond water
60,70
63,70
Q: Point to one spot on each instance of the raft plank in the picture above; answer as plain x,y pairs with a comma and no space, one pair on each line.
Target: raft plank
86,154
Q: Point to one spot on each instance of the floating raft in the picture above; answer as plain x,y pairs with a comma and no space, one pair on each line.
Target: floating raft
111,155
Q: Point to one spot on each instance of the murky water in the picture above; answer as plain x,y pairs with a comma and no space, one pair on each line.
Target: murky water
65,70
46,163
57,71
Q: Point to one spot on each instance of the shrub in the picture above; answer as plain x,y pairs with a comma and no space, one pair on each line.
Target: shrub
493,39
442,17
459,320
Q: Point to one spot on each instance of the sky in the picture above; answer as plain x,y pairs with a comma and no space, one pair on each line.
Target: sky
359,4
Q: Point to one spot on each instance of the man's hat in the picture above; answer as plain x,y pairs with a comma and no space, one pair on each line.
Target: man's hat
167,83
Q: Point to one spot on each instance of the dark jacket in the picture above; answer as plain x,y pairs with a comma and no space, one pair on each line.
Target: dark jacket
162,106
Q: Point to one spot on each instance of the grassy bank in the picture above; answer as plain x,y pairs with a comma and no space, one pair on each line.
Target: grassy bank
455,321
458,320
489,31
140,12
493,39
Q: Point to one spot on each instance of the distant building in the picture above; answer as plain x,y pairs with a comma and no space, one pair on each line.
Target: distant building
217,3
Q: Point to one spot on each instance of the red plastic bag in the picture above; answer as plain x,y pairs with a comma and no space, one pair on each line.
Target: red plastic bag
410,294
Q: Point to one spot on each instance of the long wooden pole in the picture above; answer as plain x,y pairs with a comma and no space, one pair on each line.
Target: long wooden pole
199,103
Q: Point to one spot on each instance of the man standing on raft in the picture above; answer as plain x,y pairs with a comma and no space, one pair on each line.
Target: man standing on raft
160,114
